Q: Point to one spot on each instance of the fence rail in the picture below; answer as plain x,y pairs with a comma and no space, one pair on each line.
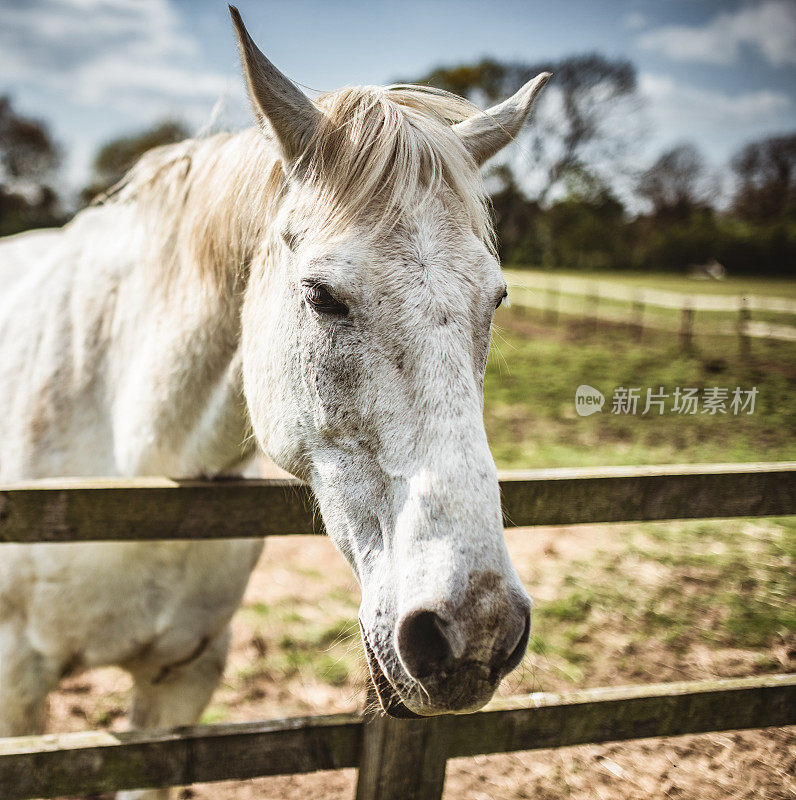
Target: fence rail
158,508
661,298
396,758
100,761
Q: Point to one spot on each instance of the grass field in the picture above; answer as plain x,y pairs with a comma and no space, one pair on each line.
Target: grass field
534,371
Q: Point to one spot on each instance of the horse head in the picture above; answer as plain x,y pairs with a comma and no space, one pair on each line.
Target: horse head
366,328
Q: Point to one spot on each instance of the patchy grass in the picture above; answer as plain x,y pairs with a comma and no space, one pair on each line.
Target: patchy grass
291,642
534,371
668,595
614,604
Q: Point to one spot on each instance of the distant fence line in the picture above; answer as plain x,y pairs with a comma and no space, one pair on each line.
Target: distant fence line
545,295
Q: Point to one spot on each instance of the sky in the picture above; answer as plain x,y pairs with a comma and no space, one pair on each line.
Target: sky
716,73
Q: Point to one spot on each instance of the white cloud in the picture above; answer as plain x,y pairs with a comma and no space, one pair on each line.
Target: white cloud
107,53
634,21
768,27
718,122
691,103
108,66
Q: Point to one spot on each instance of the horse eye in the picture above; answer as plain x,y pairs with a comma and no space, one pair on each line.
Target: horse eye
501,299
321,300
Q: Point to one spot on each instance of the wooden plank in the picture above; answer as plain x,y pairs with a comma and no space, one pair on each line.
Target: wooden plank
686,327
100,761
401,758
154,508
157,508
637,320
744,318
617,714
617,494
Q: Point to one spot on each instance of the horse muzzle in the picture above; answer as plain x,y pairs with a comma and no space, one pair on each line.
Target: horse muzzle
435,670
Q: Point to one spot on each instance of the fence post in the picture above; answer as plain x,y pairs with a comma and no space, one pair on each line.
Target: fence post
743,326
552,304
686,326
591,310
637,324
401,759
520,308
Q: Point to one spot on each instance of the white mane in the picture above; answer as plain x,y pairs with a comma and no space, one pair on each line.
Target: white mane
377,155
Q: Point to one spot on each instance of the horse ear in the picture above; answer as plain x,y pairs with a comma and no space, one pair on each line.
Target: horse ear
486,133
274,97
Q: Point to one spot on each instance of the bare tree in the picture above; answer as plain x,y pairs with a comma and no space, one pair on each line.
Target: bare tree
675,184
766,174
571,123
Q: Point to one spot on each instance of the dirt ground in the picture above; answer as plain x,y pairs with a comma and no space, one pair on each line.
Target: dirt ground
306,574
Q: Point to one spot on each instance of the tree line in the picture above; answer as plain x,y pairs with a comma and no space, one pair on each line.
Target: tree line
29,168
582,140
570,196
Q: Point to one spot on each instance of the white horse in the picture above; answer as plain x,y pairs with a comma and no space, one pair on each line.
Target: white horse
325,281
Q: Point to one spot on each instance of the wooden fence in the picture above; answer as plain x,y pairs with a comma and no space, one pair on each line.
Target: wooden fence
619,303
396,758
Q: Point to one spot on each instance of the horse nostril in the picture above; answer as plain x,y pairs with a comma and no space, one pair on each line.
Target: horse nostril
424,643
518,653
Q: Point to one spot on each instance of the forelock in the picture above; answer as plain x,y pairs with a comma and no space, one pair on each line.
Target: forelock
380,153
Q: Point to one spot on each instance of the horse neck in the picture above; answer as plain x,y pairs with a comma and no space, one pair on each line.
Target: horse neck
190,288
